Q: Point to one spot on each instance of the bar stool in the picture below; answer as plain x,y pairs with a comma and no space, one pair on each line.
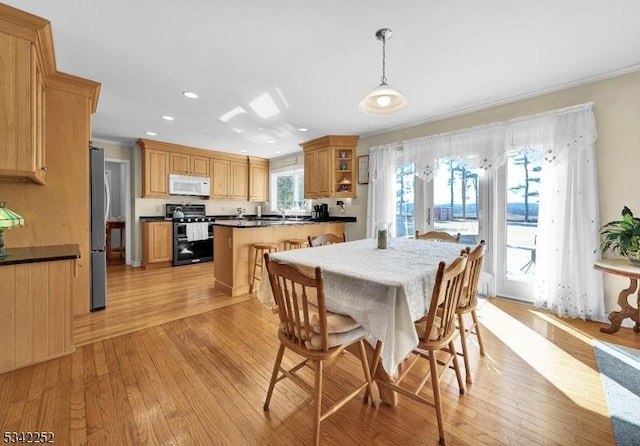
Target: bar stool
258,260
295,243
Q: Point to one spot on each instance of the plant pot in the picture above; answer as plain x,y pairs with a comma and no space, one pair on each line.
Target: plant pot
634,258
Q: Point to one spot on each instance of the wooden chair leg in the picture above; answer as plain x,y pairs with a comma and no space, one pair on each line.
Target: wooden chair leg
435,382
477,327
367,374
274,376
456,366
255,268
318,403
465,350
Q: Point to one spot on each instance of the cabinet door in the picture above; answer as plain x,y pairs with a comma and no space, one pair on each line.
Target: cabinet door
239,180
160,242
180,164
322,172
258,181
155,174
310,179
219,178
19,116
199,166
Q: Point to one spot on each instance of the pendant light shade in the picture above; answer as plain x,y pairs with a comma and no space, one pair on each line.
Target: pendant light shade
384,99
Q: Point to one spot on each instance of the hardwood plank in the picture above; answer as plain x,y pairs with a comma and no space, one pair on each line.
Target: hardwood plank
202,379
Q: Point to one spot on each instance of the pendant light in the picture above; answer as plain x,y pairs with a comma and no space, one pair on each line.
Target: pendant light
383,100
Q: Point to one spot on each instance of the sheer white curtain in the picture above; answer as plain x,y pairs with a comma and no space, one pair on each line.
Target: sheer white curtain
381,204
567,244
568,234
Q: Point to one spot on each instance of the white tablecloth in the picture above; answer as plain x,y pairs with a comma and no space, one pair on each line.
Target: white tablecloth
385,290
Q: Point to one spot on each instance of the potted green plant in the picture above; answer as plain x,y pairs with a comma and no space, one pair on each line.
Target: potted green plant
622,236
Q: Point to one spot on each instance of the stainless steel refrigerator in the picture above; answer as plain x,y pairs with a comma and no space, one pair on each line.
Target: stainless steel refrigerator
99,203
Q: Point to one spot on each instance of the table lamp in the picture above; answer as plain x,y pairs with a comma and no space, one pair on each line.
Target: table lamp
8,219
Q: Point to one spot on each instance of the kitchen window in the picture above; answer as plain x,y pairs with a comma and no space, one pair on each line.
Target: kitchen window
287,190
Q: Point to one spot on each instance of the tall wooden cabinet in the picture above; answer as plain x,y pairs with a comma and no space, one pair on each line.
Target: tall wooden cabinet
330,167
258,179
22,84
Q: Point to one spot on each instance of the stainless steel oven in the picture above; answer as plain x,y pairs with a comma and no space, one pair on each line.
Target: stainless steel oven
192,234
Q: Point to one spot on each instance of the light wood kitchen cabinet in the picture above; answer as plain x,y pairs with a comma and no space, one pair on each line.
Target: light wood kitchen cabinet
229,178
36,319
258,179
185,164
316,173
157,243
22,123
330,167
155,173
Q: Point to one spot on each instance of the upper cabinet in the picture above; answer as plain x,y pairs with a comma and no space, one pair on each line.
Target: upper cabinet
233,177
155,173
22,84
229,177
258,179
330,167
185,164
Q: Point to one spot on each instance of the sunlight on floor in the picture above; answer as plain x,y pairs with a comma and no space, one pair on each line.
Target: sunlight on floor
562,370
569,330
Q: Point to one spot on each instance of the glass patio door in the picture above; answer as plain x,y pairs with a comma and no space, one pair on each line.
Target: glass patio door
517,200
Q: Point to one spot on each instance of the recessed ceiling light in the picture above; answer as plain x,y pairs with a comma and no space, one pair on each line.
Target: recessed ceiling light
302,129
167,117
277,151
271,141
151,133
243,151
190,94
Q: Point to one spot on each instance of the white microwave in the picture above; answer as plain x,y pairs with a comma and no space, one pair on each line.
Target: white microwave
188,185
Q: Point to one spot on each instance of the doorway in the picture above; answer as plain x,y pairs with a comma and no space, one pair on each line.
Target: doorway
117,180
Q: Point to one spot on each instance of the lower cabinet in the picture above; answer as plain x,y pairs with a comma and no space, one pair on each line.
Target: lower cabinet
36,318
157,243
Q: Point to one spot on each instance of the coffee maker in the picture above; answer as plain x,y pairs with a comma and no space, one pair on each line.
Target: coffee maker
320,212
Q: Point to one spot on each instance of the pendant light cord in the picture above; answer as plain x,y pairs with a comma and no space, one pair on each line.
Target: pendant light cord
383,79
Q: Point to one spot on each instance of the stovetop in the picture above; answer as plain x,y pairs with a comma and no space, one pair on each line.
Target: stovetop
192,213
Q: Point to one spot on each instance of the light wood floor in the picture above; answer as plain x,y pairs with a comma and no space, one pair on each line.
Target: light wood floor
201,379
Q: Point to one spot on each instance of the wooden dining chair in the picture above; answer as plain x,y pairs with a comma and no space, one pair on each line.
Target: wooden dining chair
326,239
438,235
469,302
313,333
436,333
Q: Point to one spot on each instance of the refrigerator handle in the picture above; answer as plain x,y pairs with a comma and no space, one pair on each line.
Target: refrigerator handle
108,200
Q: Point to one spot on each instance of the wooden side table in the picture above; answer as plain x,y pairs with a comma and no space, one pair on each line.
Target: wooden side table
111,225
623,268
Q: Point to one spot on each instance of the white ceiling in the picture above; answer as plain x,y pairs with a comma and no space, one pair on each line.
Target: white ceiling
317,59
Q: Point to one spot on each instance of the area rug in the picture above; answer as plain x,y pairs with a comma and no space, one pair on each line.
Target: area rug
620,373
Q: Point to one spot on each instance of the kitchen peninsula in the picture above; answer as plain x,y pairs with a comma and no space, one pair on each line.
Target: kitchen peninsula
234,253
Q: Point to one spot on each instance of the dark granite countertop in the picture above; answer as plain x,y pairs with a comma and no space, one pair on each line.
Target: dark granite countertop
40,254
276,221
251,221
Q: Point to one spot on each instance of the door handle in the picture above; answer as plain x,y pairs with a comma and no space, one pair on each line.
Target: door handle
428,216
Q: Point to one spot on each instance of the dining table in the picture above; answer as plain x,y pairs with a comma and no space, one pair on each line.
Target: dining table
384,290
